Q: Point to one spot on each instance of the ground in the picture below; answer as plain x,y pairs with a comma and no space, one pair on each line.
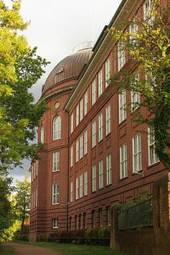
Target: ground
21,248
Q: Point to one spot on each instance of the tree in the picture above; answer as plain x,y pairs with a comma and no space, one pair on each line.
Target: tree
5,207
149,52
20,68
23,194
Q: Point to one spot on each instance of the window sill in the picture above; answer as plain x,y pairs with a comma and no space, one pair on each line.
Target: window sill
55,203
55,171
153,165
123,178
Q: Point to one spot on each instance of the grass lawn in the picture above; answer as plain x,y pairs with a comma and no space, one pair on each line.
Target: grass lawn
6,250
72,249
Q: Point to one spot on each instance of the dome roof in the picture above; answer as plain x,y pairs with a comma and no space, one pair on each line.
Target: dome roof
68,68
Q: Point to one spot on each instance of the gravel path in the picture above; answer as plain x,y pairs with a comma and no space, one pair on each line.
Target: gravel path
26,249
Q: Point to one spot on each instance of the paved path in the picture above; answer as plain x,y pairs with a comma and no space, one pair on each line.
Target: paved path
26,249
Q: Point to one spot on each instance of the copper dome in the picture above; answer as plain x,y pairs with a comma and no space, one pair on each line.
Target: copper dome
68,68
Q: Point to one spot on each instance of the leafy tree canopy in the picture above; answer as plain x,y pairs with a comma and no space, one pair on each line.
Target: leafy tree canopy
148,48
20,68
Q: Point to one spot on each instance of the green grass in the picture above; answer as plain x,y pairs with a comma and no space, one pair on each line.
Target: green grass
6,250
72,249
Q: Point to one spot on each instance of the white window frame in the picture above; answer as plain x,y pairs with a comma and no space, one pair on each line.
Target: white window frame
121,56
94,183
135,96
81,186
42,135
152,156
81,109
77,150
71,155
108,119
56,161
85,183
101,174
100,83
72,123
71,192
133,29
100,127
77,188
123,161
81,145
55,224
109,169
137,153
55,194
147,7
57,128
77,115
94,133
94,92
85,142
122,106
107,72
86,103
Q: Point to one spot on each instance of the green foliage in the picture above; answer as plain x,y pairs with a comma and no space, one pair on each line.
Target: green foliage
5,207
149,55
20,68
22,198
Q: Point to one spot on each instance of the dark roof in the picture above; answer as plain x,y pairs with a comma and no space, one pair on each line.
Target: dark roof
68,68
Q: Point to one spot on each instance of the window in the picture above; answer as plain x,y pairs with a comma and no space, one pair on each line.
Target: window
101,182
55,223
93,219
77,115
84,220
71,156
72,123
57,128
108,216
81,146
108,120
77,188
108,170
122,106
133,29
85,103
94,92
93,134
81,109
71,192
93,178
147,7
85,142
123,161
100,127
152,156
107,73
77,150
81,186
56,161
135,96
137,157
55,194
121,55
85,184
42,134
100,217
100,83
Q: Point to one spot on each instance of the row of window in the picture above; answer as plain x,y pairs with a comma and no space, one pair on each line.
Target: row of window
97,88
98,170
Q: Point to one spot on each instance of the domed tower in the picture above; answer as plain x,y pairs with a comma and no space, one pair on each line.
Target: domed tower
50,173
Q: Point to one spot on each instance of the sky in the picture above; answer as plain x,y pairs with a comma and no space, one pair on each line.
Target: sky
57,27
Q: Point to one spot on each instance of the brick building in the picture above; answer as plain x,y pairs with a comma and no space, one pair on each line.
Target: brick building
94,155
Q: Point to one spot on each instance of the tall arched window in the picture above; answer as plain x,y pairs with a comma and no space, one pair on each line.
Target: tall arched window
57,128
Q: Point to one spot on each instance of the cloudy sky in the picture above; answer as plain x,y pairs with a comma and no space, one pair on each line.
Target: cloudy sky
58,26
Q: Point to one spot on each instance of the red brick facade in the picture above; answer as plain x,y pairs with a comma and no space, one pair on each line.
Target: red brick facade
85,200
